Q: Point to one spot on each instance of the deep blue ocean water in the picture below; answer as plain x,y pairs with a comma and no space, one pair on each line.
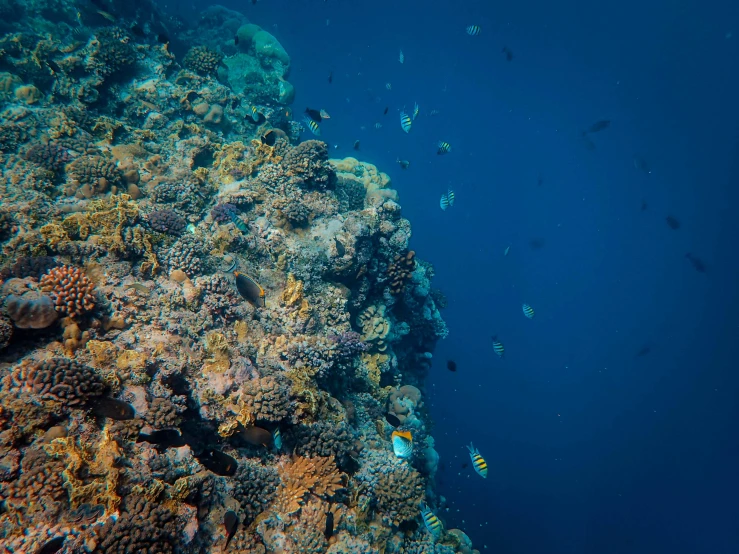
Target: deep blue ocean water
591,447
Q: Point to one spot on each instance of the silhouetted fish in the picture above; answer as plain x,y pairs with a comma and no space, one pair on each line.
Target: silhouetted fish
539,181
356,145
643,351
536,244
644,206
672,223
256,436
329,530
236,39
163,38
271,137
599,126
137,30
54,545
330,77
218,462
340,249
164,438
508,53
112,408
315,115
231,523
392,419
386,109
699,266
451,365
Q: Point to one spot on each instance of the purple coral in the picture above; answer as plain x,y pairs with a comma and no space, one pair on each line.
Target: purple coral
51,156
348,344
166,221
223,213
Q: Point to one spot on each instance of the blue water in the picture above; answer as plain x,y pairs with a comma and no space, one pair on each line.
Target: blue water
591,448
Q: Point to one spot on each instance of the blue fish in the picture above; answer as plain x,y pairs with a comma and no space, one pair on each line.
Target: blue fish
405,121
528,311
313,126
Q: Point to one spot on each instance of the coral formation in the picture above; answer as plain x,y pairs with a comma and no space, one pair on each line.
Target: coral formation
72,292
154,179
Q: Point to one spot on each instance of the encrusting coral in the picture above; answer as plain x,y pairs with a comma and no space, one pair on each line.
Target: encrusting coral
201,315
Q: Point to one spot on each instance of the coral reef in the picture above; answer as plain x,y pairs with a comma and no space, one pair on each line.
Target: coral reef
145,389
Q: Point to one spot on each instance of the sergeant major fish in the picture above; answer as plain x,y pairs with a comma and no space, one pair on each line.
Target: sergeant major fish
478,462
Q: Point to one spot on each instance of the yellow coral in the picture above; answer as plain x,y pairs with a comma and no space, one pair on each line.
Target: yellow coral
91,475
372,364
375,327
241,328
131,360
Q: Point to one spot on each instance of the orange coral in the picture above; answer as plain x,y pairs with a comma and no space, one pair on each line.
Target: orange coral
71,290
300,476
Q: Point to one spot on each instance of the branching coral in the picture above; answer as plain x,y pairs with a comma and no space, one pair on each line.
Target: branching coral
300,476
254,487
71,290
38,488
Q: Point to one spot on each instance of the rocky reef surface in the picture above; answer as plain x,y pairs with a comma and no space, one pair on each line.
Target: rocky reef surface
195,321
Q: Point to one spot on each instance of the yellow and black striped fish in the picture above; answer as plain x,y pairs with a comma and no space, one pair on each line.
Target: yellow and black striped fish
432,523
473,30
443,147
313,126
416,109
528,311
405,121
498,347
478,462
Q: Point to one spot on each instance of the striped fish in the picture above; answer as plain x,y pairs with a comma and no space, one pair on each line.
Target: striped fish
478,462
443,147
473,30
432,523
528,311
415,111
402,444
447,199
255,114
405,121
312,125
498,347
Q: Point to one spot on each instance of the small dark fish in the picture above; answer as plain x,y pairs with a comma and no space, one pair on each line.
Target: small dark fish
644,206
508,53
112,408
54,545
330,77
329,531
340,248
250,290
643,351
256,436
315,115
137,30
536,244
271,137
163,38
699,266
672,223
356,145
164,438
54,66
386,109
236,39
218,462
392,419
539,181
231,523
464,465
598,126
641,164
451,365
254,2
404,164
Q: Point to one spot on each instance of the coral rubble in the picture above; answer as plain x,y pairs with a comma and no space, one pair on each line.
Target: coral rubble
142,397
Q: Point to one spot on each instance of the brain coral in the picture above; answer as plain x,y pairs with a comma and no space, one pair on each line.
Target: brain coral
71,290
57,379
